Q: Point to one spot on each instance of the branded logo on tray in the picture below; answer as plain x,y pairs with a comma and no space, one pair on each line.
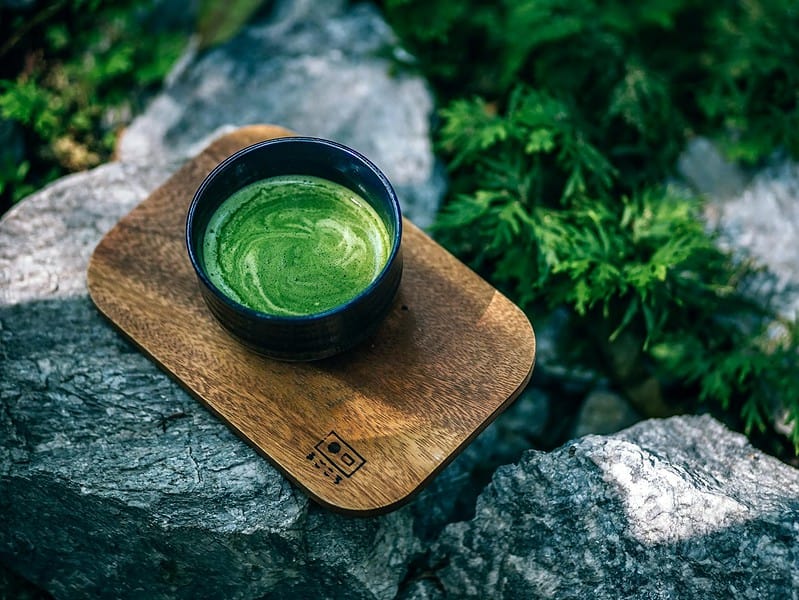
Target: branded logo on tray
335,457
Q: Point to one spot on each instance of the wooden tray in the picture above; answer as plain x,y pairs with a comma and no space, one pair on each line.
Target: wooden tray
361,432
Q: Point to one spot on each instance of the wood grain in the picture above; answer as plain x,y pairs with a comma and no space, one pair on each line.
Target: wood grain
361,432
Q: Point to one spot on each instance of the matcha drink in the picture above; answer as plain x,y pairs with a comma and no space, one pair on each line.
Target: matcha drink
294,245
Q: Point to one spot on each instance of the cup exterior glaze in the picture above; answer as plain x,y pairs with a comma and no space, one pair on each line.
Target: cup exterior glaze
307,337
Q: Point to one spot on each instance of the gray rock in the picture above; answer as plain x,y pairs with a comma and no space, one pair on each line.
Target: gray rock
14,586
756,217
320,68
676,508
113,481
604,412
46,241
702,165
551,366
763,221
523,424
425,587
452,495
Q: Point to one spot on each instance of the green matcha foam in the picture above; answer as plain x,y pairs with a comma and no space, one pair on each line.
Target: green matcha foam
294,245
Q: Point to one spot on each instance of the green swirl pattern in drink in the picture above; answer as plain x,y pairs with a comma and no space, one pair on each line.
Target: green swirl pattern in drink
294,245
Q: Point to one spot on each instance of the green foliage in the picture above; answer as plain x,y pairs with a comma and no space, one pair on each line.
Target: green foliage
65,69
753,95
29,104
562,122
219,21
751,371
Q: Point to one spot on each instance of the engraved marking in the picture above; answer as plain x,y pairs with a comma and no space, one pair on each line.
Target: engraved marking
332,452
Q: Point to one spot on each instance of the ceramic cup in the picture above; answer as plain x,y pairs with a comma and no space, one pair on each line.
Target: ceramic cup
308,336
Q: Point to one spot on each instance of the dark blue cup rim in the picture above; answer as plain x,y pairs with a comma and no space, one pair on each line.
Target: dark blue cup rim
396,240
